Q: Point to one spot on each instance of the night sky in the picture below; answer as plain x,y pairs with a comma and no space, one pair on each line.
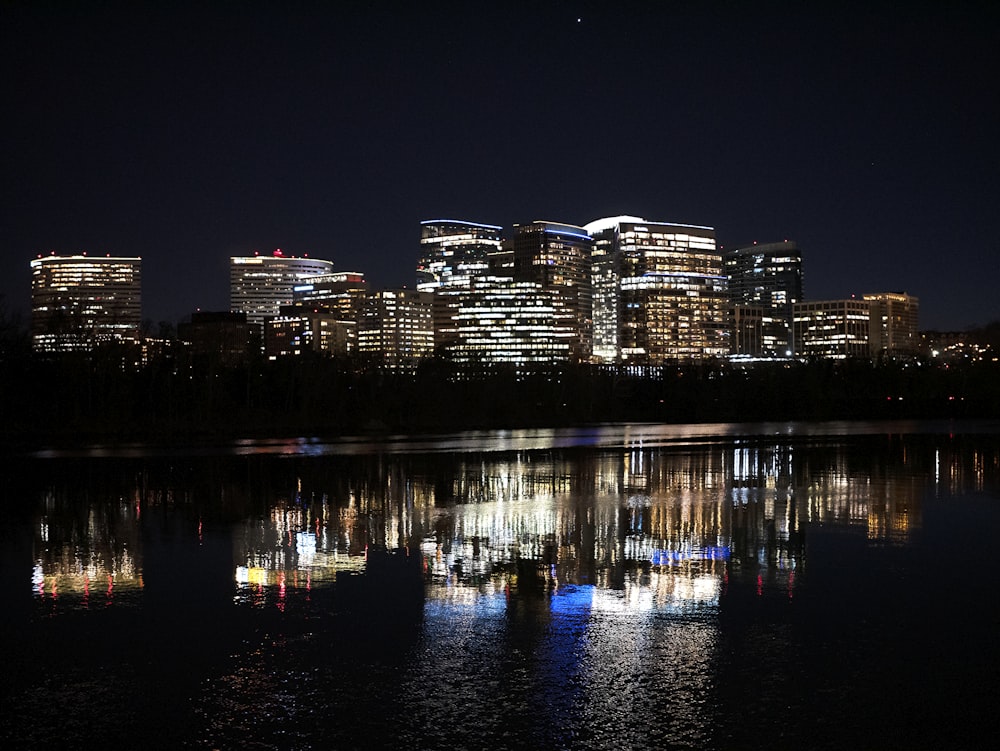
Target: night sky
867,133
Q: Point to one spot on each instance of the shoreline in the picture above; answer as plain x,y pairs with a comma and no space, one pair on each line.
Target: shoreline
600,435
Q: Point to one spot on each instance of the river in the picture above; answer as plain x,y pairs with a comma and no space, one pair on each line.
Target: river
775,585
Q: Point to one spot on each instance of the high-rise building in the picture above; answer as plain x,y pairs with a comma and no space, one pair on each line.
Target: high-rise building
453,251
260,285
79,301
606,285
396,327
557,257
659,290
768,277
834,329
894,323
496,320
342,292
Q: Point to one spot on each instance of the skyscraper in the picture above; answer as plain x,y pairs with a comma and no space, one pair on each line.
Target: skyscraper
78,302
260,285
659,291
558,258
453,254
453,251
767,277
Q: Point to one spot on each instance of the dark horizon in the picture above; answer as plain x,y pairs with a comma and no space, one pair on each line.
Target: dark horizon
185,135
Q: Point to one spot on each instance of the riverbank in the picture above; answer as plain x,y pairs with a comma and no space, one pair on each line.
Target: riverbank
68,403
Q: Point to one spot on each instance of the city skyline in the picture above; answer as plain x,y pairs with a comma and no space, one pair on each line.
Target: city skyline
187,137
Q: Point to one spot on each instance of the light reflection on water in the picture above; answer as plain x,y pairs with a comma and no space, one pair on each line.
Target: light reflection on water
568,590
614,436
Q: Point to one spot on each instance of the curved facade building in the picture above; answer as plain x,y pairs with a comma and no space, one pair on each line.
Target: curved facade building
453,251
260,285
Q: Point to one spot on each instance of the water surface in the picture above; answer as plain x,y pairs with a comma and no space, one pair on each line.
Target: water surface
704,586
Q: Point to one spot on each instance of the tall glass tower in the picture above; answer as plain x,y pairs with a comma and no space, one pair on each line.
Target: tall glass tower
765,282
452,252
558,258
659,293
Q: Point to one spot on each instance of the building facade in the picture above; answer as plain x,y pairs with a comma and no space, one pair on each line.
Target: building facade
894,324
660,292
833,329
396,328
79,302
298,331
223,338
768,277
454,251
497,320
557,257
342,293
605,272
746,330
260,285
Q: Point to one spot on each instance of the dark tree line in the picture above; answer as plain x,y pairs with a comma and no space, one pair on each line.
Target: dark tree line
78,398
104,396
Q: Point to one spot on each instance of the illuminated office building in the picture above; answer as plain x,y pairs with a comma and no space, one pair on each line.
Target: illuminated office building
452,252
558,258
342,293
605,286
894,323
79,302
396,327
765,282
498,320
659,290
835,329
260,285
